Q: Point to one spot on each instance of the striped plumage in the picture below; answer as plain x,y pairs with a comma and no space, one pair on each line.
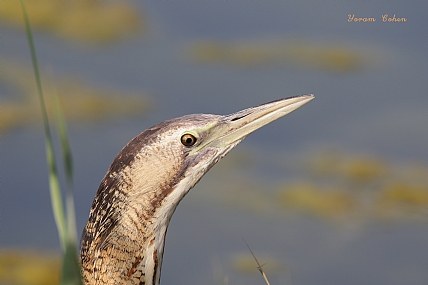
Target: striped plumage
123,241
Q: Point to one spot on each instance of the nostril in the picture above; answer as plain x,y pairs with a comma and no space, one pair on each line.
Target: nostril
238,117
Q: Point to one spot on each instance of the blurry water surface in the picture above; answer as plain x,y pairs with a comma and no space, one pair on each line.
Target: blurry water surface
217,57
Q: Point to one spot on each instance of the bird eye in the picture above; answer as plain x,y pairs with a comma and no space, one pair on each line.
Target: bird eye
188,140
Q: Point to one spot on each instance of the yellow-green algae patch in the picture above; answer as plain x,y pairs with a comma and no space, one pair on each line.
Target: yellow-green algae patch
29,267
355,168
327,56
367,187
243,262
344,187
79,101
309,198
402,198
93,22
406,193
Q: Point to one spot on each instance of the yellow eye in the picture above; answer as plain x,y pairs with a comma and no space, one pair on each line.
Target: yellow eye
188,140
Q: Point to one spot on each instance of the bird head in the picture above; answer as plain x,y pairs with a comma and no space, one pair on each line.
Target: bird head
124,237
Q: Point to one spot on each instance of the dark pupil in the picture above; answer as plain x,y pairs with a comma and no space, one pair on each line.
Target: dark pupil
188,140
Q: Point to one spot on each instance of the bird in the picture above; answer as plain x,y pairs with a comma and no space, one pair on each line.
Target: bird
123,240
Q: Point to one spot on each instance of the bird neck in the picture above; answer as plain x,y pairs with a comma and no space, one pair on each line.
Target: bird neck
127,245
123,241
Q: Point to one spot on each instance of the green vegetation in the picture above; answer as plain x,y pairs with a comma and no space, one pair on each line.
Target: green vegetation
87,22
80,102
26,267
65,222
331,186
330,57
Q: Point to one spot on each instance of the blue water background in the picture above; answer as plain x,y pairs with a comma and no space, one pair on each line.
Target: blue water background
381,110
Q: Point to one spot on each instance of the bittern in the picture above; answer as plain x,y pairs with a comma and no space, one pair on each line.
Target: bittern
123,241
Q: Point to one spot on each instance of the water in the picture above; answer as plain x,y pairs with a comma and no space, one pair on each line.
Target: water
378,110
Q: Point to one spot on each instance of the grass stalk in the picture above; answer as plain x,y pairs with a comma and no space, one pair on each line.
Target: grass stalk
54,185
68,167
65,223
259,267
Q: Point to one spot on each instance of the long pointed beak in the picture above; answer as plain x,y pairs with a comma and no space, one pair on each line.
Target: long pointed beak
235,127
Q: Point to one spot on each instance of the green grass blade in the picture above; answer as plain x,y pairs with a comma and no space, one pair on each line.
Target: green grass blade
65,144
66,228
68,166
55,190
55,193
70,274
